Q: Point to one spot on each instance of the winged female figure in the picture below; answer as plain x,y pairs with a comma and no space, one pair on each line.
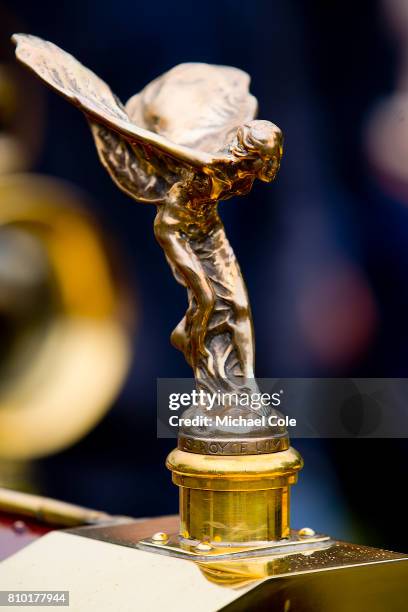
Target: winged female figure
185,142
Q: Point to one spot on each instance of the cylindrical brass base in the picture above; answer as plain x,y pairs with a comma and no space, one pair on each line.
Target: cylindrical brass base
234,500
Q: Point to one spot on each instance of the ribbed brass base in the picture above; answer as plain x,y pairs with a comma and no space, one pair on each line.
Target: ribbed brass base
234,500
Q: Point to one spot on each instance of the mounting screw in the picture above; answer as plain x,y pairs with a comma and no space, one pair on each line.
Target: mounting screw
19,526
203,547
160,537
306,532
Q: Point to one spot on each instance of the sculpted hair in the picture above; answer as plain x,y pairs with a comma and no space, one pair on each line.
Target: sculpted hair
257,138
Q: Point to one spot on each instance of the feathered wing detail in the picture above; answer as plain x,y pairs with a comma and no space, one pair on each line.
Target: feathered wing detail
195,105
63,73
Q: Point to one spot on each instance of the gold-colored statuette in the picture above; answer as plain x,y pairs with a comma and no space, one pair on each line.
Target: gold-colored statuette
185,142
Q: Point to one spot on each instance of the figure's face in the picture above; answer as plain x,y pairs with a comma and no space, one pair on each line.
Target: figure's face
262,140
269,167
270,151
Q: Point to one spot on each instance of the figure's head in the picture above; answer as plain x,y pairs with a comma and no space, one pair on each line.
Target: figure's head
260,141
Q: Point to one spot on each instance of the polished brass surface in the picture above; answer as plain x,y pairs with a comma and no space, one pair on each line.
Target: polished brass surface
176,546
61,312
271,569
335,555
102,577
234,499
48,510
369,587
232,445
128,532
185,142
234,516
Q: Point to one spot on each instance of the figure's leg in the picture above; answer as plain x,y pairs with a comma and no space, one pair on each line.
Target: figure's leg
242,337
187,265
180,336
234,313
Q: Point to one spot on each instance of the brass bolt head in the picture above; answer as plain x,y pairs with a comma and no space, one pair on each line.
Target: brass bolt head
203,547
160,537
306,532
19,526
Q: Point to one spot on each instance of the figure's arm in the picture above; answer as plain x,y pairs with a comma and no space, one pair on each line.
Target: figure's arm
127,168
80,86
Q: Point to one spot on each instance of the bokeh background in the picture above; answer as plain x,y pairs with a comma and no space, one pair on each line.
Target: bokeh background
324,250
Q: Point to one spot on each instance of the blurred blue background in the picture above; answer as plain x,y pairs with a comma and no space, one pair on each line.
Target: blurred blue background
324,250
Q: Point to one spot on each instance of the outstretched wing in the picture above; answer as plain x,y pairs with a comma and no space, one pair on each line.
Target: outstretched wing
196,105
83,88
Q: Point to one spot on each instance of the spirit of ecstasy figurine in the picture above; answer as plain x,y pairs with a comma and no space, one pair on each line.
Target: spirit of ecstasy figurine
186,141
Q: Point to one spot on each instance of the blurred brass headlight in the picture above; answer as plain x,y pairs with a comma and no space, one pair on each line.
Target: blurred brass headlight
64,346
